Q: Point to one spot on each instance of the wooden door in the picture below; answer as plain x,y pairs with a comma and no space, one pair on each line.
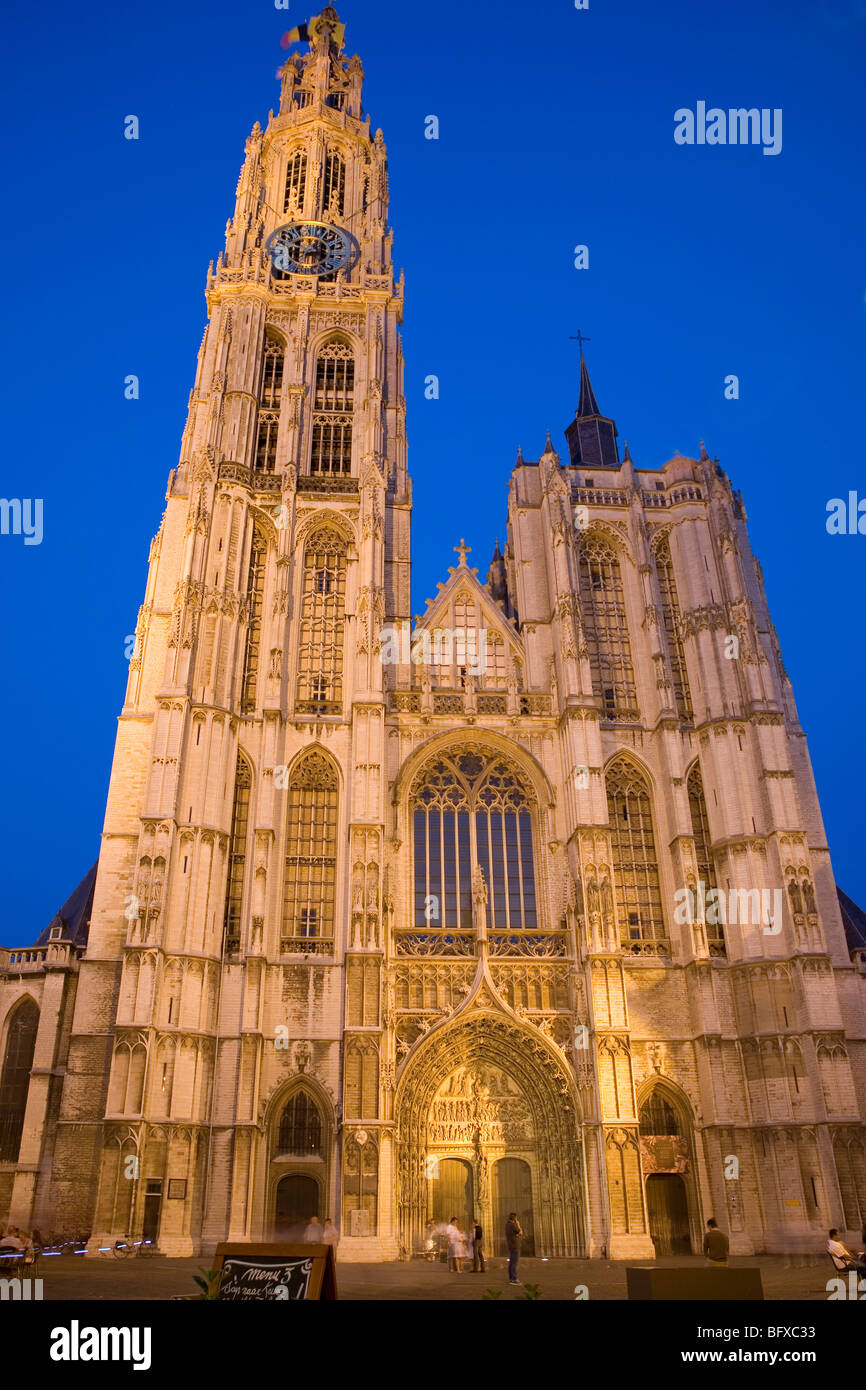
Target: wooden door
452,1191
297,1202
668,1212
512,1191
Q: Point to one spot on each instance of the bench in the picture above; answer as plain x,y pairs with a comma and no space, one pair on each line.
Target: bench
19,1261
691,1283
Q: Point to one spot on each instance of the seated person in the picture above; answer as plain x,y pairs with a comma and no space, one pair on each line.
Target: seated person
11,1243
840,1254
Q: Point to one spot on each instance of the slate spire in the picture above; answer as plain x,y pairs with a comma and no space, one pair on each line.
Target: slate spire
591,436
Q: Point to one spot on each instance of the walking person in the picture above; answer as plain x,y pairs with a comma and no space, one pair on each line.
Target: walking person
513,1237
715,1244
478,1263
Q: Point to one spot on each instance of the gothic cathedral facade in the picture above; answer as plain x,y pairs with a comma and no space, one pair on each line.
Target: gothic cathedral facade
544,920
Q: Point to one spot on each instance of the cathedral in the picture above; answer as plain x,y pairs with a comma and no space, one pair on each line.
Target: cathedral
524,904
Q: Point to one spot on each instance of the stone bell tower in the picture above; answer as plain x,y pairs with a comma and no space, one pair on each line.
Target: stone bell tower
246,805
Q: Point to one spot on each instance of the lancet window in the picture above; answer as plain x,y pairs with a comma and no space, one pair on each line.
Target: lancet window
311,852
238,854
333,407
635,864
273,360
671,620
606,631
323,607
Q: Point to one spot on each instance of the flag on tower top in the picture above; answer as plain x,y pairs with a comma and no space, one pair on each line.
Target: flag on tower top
299,35
305,33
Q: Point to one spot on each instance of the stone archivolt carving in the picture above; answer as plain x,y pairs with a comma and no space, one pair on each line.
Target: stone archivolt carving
479,1104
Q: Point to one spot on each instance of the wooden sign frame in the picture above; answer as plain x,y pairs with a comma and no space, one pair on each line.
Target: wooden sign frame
323,1279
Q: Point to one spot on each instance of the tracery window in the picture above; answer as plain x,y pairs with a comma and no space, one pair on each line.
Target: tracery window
635,865
273,360
606,631
496,667
15,1081
671,620
255,601
300,1129
472,809
703,853
238,854
296,181
333,406
311,851
323,608
657,1116
335,184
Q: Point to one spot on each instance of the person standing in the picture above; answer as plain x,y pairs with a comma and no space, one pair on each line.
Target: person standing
513,1237
456,1246
715,1244
478,1264
313,1233
330,1235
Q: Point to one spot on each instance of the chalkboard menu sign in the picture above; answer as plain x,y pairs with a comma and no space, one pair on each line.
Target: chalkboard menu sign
276,1273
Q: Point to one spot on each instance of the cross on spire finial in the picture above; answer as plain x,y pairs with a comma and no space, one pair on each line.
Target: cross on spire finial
463,550
579,338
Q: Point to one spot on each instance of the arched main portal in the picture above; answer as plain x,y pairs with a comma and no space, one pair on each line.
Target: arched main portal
486,1113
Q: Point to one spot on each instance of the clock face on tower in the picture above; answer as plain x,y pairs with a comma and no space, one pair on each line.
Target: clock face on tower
311,248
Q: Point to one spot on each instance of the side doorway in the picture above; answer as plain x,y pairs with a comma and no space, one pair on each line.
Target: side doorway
668,1212
297,1201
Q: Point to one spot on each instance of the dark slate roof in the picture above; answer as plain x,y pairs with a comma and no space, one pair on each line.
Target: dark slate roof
587,404
854,919
74,915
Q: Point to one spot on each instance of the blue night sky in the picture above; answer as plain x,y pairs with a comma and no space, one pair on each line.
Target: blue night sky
556,129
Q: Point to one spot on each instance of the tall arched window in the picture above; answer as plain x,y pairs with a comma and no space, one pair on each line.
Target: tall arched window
296,182
238,854
606,631
472,809
703,853
300,1128
15,1081
635,866
323,609
671,620
335,184
333,406
273,360
657,1116
311,852
255,604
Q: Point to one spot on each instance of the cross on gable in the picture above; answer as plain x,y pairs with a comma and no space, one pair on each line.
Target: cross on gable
463,550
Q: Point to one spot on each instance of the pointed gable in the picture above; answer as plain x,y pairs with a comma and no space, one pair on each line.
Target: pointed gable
469,632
